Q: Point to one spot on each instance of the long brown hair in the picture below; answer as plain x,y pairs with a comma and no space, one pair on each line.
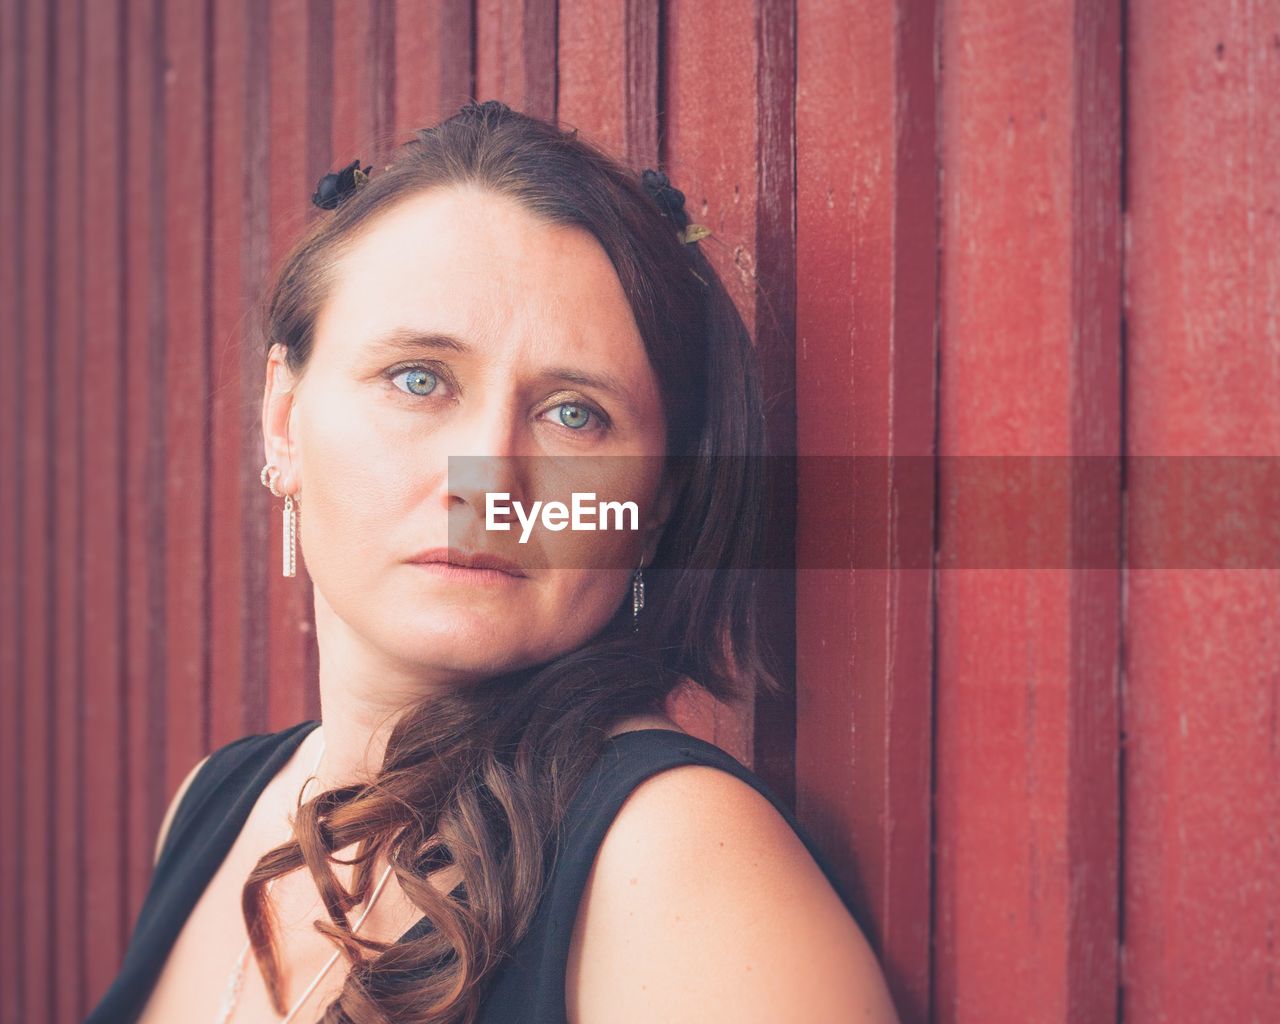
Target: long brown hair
480,778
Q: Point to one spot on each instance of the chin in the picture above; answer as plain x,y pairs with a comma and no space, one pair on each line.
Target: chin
465,645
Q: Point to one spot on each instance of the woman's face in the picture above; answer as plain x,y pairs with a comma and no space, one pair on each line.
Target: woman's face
507,310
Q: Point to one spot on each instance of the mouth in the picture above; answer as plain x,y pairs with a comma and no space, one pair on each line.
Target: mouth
473,565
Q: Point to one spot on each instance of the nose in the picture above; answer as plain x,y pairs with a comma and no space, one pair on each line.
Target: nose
485,456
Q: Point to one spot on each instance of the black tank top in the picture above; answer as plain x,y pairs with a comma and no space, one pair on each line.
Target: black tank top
527,988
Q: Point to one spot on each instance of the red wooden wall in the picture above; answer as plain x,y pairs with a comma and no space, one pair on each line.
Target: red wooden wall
989,228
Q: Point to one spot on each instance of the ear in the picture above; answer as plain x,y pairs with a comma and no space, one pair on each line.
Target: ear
277,408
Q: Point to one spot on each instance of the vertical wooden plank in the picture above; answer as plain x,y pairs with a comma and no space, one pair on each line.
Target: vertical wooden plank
144,446
36,660
299,148
1026,760
96,386
1096,610
591,51
865,394
232,474
1202,690
516,54
185,380
68,323
713,78
607,74
364,92
773,741
355,84
432,61
254,226
382,71
14,351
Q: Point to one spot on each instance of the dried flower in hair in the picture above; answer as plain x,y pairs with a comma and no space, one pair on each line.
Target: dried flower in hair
670,201
694,232
336,186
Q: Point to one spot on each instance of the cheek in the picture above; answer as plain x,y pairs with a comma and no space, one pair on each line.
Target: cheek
577,603
352,483
610,479
589,551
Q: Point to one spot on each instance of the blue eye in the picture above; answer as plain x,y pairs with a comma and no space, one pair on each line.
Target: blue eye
420,381
578,416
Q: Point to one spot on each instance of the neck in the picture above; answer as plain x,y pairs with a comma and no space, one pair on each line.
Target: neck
363,694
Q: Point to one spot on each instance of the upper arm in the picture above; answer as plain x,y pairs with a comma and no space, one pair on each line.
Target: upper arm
173,806
704,905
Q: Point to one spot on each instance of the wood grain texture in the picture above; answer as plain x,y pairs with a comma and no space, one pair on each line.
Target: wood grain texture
300,150
1202,674
39,821
183,376
229,476
143,255
95,386
66,345
955,232
13,354
716,171
515,54
1026,737
774,330
433,72
608,67
864,355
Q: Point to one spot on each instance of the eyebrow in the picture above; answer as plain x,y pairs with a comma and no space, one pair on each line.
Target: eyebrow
402,339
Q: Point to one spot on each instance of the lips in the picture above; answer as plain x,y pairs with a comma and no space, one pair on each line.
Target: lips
469,560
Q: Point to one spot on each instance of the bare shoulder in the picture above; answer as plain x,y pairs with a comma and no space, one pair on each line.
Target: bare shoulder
643,720
704,905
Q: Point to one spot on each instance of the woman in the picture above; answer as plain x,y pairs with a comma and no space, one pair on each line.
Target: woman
497,820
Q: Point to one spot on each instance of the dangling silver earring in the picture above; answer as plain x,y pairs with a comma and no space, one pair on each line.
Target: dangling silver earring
290,536
637,597
290,545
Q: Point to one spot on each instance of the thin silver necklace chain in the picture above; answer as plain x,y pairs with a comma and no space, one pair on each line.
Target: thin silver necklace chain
235,980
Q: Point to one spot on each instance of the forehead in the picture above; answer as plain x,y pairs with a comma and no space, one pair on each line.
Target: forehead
464,261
